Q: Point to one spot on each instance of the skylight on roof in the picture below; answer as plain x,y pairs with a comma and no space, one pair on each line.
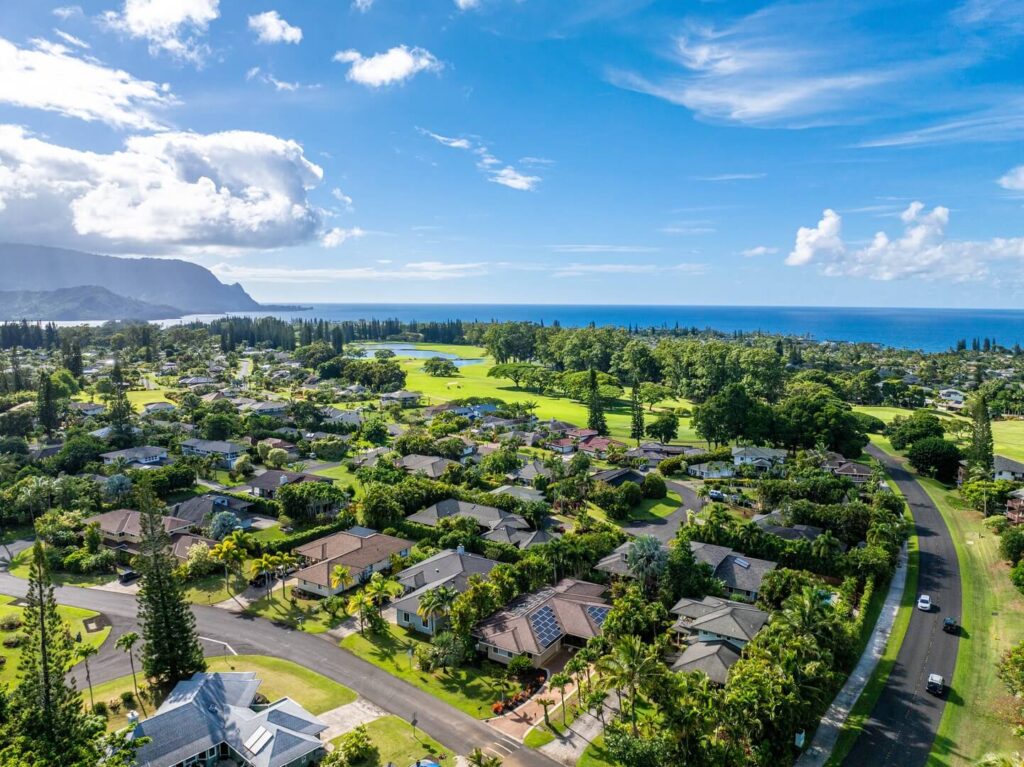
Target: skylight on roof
255,742
742,563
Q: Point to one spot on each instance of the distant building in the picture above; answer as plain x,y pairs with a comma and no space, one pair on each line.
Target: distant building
267,484
147,455
227,453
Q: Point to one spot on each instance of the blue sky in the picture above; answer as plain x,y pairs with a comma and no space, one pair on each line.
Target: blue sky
528,151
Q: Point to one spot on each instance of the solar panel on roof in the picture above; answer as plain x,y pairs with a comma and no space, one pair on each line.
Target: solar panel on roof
597,614
546,626
257,740
742,563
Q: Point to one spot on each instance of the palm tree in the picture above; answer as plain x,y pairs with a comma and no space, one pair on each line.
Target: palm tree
232,556
127,642
264,566
702,495
560,681
1000,760
285,562
546,703
478,758
341,578
646,559
84,652
381,589
631,666
826,547
359,603
436,603
804,614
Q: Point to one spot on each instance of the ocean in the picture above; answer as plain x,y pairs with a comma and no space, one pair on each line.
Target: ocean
925,329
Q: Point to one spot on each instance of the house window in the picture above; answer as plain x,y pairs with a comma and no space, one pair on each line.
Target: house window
405,616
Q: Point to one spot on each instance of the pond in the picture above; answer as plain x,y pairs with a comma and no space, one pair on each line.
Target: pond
410,351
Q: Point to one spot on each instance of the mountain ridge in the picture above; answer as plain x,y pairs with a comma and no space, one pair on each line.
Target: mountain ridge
82,302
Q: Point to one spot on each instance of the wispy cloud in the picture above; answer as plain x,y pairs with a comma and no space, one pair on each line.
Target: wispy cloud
256,73
604,248
71,39
416,271
580,270
496,171
731,177
337,236
759,250
1002,122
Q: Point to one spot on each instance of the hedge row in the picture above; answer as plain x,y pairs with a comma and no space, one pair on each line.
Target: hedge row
343,522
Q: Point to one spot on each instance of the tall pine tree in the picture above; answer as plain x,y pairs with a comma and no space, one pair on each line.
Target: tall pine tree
171,650
595,406
980,454
46,404
636,429
120,408
46,724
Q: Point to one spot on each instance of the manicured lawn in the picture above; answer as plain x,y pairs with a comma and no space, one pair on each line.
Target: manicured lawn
268,534
20,567
876,683
280,678
211,589
471,689
657,508
545,732
396,744
342,477
302,614
596,756
75,618
979,713
142,397
1009,438
472,381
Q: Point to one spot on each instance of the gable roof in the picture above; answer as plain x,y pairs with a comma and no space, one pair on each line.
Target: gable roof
201,508
446,568
129,522
487,517
714,659
733,620
431,465
354,551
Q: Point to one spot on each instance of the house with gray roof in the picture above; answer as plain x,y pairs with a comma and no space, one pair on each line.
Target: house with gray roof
713,659
451,568
227,453
146,455
761,458
529,472
430,466
201,509
214,719
488,518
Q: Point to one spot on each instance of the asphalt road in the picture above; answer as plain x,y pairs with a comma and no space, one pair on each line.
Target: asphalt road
665,529
906,717
248,635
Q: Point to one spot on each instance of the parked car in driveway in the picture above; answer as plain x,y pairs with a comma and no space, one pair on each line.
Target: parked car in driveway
924,602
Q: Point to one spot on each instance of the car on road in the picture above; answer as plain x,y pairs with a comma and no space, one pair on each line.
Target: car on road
924,602
950,626
936,684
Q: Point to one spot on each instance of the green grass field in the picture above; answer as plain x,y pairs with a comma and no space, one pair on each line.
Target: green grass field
75,618
302,614
397,744
212,589
280,678
979,713
596,756
20,568
471,689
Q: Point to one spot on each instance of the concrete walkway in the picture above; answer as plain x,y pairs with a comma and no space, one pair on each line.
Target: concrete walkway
832,723
585,727
344,718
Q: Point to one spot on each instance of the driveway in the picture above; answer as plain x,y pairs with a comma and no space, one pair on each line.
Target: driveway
665,528
903,725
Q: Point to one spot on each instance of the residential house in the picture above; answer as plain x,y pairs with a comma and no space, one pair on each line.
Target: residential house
449,568
361,550
87,409
269,409
563,446
713,659
201,509
525,494
1004,468
147,455
227,453
857,473
714,631
712,470
153,408
761,458
196,381
267,484
656,452
600,447
529,473
352,418
105,432
215,719
430,466
370,457
775,524
487,517
1015,507
290,449
618,477
122,528
523,539
401,398
539,624
581,434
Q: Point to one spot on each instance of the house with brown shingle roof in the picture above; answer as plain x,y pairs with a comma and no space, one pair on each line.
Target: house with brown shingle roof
363,551
539,624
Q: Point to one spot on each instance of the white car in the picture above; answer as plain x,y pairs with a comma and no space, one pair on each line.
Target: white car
924,602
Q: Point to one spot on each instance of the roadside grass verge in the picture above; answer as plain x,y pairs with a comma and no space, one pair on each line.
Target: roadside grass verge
471,688
596,755
292,611
211,589
397,744
979,713
20,569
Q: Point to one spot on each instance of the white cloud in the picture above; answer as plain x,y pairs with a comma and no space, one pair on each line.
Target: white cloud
603,248
415,272
393,66
164,193
362,5
71,39
497,171
171,26
465,5
51,77
337,236
65,12
343,198
1013,179
731,177
687,229
822,239
759,250
255,73
580,270
271,28
922,251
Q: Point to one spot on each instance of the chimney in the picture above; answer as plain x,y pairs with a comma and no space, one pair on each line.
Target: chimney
133,718
282,480
460,549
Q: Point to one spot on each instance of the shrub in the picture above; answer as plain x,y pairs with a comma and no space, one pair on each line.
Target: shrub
128,699
1017,576
14,640
114,704
654,486
10,622
3,660
354,746
100,709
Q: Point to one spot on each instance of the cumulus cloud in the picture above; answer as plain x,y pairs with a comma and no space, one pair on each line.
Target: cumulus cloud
51,77
271,28
174,27
337,236
395,65
343,198
465,5
497,172
922,251
821,240
66,12
164,193
1013,179
760,250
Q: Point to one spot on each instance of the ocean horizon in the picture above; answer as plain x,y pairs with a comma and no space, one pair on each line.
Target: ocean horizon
926,329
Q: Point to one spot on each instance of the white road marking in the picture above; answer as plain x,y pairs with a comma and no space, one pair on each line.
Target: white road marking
217,641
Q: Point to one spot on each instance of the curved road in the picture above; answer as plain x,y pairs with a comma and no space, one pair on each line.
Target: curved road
905,719
248,635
